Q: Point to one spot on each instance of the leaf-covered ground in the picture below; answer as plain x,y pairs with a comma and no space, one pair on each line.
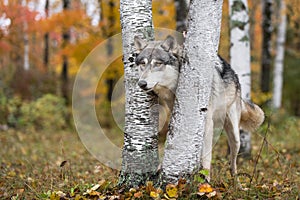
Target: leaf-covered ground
55,165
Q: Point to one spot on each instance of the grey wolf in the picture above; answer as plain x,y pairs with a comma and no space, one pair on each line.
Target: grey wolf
159,66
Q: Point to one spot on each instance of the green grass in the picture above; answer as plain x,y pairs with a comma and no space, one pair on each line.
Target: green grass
32,165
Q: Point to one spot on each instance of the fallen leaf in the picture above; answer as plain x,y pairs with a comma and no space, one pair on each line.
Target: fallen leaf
60,194
63,163
171,191
95,187
181,185
205,188
154,194
138,195
212,194
149,187
20,191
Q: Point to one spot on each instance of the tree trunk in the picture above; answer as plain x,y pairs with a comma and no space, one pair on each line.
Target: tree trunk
240,58
46,40
279,59
65,64
110,82
140,151
26,48
181,15
188,123
26,43
266,46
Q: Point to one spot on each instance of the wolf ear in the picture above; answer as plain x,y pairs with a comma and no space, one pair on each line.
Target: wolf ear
169,44
139,43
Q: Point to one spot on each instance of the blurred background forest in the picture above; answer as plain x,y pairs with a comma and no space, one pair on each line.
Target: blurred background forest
43,43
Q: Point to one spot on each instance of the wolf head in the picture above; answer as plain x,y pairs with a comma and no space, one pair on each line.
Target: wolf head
158,64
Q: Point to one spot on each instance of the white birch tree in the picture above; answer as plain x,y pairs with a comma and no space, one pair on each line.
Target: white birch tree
240,57
140,151
184,143
279,59
26,42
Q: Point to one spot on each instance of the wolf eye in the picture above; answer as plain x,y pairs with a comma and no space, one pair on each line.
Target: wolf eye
158,64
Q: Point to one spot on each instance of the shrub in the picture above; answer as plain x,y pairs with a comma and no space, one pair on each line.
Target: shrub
47,112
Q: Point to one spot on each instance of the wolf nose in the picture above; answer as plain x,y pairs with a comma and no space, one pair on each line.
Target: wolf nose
142,84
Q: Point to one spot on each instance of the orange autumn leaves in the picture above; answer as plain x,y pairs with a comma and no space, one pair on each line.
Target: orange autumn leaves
181,190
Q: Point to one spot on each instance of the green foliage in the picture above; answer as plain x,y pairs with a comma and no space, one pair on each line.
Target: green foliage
47,112
291,89
200,176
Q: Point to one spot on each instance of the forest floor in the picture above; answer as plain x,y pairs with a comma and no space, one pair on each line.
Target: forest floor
56,165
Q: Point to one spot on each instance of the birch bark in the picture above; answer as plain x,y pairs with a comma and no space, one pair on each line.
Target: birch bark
140,151
185,139
26,43
240,58
279,59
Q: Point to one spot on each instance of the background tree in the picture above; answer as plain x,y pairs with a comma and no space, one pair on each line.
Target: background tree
26,63
279,58
65,60
46,39
266,45
185,138
181,14
240,58
140,151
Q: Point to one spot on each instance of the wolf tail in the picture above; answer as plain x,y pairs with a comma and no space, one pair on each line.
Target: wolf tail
252,116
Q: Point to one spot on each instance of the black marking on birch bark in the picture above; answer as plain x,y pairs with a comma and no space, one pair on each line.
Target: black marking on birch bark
203,109
246,74
131,59
238,6
238,24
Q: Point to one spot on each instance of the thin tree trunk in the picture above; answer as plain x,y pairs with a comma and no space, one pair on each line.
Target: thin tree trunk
184,143
181,15
110,82
140,151
26,48
46,40
65,64
266,46
26,43
240,58
279,59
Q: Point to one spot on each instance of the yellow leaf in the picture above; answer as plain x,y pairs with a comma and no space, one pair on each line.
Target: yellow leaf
154,194
171,190
205,188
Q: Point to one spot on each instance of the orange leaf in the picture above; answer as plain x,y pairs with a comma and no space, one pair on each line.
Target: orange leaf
138,195
205,188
